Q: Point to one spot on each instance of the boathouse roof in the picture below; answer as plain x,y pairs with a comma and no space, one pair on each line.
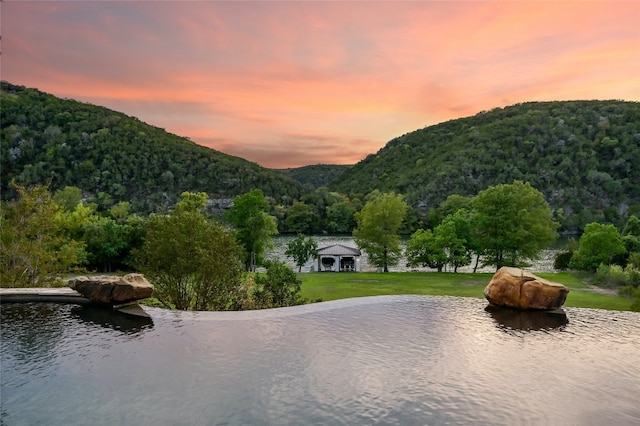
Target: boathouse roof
338,250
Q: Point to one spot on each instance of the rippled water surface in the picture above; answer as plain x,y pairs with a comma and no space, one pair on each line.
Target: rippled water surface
383,360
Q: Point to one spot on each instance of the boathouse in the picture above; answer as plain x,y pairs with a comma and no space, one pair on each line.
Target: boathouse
338,258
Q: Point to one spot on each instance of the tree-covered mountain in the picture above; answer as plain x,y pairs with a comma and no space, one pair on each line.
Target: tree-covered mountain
316,175
584,156
114,157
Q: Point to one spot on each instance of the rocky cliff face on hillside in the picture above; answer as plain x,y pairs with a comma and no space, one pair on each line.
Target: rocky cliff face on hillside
113,157
584,156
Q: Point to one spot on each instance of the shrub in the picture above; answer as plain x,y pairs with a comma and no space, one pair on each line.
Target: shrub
610,276
627,281
245,298
634,259
562,260
633,275
278,287
635,306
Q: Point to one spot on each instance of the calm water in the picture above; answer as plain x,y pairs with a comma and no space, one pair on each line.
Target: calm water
398,360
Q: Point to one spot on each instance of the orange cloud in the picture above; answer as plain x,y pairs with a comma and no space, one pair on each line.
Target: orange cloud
288,84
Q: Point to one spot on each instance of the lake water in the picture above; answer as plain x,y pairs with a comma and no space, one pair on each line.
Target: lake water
392,360
544,264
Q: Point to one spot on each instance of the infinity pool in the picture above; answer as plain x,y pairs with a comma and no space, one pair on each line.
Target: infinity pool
393,360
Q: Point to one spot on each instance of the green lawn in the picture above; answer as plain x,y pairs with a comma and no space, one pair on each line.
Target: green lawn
333,286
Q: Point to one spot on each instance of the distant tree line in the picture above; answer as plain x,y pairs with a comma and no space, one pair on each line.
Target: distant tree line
198,261
86,187
505,225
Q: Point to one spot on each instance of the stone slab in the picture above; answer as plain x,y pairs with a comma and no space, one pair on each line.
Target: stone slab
61,295
41,294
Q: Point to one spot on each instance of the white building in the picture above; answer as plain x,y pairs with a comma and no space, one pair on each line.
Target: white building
338,258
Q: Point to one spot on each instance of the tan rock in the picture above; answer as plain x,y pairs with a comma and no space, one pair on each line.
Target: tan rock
517,288
112,289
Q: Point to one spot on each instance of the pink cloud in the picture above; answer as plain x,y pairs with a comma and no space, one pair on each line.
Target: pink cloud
282,83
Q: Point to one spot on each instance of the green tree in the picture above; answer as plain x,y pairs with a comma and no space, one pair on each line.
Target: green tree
631,245
105,242
254,226
513,224
423,250
301,249
193,262
377,229
448,244
192,202
134,232
74,221
452,204
120,212
411,222
68,198
319,200
299,218
341,217
469,245
632,227
454,236
108,240
35,248
598,244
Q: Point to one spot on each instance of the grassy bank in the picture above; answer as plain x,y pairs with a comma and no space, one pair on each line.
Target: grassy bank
333,286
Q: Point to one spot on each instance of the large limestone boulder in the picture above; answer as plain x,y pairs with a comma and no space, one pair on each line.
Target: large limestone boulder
517,288
112,289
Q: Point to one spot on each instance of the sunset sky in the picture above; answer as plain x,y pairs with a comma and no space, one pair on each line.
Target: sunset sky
287,84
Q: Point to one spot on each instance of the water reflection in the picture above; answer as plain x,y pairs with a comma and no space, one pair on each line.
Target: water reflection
114,319
35,341
394,360
515,319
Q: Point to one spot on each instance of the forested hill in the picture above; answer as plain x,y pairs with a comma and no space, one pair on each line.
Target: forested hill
584,156
315,176
114,157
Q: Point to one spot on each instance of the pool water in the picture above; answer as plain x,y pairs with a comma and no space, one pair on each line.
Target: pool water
392,360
